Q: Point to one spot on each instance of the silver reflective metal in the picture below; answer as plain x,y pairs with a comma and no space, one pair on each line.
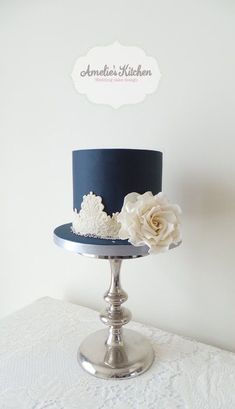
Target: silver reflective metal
101,251
115,362
114,352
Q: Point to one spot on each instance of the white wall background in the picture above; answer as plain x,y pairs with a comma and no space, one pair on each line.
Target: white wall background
190,290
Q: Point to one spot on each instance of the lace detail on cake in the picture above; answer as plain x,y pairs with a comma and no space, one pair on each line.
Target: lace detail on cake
93,221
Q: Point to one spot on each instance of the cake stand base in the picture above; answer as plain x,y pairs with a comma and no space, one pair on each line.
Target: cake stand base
124,361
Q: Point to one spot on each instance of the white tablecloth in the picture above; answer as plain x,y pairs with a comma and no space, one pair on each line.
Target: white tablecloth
39,369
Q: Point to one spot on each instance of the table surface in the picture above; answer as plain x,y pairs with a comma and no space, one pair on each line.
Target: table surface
39,369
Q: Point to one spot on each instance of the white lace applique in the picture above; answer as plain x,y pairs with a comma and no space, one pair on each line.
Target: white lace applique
93,221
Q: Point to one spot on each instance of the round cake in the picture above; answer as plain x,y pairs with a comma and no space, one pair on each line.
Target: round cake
118,200
113,173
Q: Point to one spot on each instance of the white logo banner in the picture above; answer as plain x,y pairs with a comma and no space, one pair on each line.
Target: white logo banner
116,75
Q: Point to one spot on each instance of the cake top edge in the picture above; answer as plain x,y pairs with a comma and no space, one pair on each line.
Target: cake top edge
117,149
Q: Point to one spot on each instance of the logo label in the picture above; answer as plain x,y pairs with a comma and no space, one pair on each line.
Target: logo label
116,75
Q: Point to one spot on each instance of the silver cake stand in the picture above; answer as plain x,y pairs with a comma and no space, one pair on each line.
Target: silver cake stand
112,352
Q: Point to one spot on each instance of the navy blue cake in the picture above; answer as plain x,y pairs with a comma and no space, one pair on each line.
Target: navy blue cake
113,173
117,203
101,180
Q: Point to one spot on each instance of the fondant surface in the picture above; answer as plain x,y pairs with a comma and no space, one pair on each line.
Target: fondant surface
113,173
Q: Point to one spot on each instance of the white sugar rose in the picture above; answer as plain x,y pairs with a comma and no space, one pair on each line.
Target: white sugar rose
150,220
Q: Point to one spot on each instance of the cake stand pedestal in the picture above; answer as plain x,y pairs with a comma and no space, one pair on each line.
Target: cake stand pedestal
113,352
